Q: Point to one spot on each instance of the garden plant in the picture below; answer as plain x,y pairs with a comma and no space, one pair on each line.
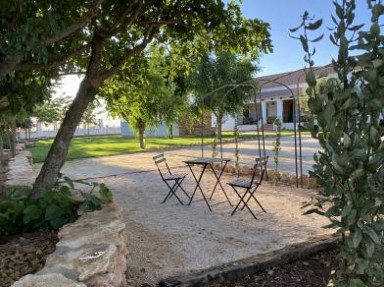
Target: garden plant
348,113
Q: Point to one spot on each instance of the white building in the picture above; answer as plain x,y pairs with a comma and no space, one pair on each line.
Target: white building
276,99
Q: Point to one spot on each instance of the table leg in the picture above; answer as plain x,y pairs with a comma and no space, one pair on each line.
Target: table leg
218,182
198,186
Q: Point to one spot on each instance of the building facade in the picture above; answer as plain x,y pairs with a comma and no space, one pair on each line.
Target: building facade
278,98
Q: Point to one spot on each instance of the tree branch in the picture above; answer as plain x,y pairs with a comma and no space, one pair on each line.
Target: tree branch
27,67
161,23
130,53
124,21
92,11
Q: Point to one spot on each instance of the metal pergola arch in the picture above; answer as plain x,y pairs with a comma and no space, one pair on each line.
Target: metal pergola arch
296,116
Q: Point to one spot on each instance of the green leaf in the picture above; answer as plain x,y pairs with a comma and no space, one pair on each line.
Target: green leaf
357,283
105,192
378,226
355,28
339,10
293,30
371,233
310,78
314,210
51,212
317,39
357,236
31,212
304,43
315,25
369,247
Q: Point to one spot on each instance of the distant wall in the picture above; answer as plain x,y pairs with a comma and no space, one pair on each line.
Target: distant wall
78,132
160,131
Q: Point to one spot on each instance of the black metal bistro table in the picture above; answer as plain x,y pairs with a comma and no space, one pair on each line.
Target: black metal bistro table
206,162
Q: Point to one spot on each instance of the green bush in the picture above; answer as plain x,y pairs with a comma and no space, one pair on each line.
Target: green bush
350,169
19,212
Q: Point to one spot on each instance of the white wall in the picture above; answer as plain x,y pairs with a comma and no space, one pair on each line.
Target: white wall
160,131
78,132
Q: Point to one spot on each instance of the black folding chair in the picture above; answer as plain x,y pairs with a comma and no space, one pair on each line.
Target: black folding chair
167,176
250,185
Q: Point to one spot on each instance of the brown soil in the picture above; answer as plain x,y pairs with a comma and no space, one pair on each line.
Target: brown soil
311,272
24,254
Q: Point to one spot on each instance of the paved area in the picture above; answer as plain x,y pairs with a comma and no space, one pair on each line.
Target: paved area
171,239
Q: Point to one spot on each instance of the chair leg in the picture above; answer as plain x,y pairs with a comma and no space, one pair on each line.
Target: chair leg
243,201
252,195
238,204
179,185
172,192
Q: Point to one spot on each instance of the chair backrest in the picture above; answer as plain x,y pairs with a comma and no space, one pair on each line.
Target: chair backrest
261,166
161,163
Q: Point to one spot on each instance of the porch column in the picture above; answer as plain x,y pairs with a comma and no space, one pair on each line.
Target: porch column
264,111
279,111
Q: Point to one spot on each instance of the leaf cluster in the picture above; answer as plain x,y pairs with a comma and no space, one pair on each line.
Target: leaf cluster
349,126
21,212
222,83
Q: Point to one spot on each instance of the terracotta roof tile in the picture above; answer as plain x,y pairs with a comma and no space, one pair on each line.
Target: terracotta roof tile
291,78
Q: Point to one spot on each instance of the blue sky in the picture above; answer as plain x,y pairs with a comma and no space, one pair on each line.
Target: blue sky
285,14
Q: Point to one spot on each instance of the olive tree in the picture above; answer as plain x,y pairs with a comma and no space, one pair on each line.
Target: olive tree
218,85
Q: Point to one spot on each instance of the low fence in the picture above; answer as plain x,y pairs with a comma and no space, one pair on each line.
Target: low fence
79,132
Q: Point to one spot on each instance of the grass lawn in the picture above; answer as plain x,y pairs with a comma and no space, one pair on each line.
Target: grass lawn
82,147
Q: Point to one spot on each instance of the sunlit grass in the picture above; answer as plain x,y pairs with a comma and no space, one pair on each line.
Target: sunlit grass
94,146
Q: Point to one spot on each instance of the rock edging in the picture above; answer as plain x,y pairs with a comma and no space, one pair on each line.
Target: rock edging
91,252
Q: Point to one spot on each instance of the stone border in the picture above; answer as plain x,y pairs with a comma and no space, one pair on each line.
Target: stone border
91,252
257,263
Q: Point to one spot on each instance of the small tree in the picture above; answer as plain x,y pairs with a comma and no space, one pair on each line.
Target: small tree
89,116
351,167
213,84
146,100
53,111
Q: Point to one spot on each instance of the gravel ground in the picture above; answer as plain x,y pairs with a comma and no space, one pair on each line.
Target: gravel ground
170,239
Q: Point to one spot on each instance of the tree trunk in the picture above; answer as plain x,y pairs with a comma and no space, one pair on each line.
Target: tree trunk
219,125
170,131
59,149
141,137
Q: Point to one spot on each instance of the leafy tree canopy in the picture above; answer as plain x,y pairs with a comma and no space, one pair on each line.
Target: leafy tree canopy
147,97
121,30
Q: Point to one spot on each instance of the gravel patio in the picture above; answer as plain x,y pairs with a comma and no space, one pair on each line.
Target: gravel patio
171,239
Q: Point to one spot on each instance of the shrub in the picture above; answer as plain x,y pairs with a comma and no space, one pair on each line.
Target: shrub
351,167
20,212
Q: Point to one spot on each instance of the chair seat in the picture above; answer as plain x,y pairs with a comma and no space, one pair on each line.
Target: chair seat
175,176
242,182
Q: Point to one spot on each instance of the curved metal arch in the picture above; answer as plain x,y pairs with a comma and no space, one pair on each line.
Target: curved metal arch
275,81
